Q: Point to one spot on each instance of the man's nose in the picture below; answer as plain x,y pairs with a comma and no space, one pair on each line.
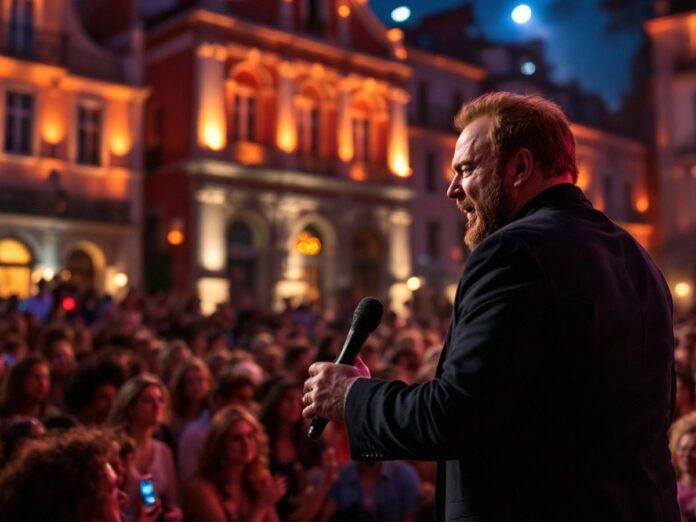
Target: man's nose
454,190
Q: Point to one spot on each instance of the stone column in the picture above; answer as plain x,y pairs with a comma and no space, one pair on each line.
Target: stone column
397,152
345,131
286,137
210,100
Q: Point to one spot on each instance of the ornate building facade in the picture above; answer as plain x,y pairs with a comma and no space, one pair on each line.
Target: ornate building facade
673,39
279,152
70,155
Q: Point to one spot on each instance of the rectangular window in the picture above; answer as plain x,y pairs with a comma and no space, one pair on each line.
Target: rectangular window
89,117
430,173
308,130
21,34
19,112
433,240
422,103
244,117
361,139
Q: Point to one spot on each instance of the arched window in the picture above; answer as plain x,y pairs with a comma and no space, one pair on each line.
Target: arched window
244,107
310,245
81,268
242,260
367,256
15,268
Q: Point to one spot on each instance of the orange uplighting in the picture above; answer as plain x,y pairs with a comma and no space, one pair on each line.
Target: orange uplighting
582,179
175,237
52,132
212,137
401,53
343,11
399,165
395,34
287,138
642,204
308,244
250,153
357,173
120,144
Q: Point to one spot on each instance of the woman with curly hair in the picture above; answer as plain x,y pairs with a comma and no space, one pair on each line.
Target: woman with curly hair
27,390
190,387
233,482
141,406
682,443
63,478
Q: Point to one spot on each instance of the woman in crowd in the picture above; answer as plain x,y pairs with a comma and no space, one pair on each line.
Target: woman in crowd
233,482
140,407
292,454
190,388
27,390
682,443
64,478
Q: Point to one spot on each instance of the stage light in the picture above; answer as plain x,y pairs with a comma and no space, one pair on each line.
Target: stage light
413,283
528,68
682,289
120,280
521,14
401,14
68,303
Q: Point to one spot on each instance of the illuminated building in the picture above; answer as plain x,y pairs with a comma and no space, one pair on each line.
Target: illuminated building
277,137
673,39
70,156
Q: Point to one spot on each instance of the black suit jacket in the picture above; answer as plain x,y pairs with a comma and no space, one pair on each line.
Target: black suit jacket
555,386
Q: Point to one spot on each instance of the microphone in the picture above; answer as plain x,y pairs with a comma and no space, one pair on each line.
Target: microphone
366,319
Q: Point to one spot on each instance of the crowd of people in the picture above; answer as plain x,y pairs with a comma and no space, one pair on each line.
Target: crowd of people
100,396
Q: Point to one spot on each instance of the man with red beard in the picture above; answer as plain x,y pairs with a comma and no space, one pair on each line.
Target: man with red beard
554,389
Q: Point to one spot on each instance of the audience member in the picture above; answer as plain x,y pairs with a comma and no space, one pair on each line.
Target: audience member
233,482
139,409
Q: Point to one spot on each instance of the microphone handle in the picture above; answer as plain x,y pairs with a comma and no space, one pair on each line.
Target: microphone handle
351,347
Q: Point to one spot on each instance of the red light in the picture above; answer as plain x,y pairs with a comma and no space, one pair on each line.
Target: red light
69,304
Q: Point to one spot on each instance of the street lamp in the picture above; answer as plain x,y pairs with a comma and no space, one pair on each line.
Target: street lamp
521,14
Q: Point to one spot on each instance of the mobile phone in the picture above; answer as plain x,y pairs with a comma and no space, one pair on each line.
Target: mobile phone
147,492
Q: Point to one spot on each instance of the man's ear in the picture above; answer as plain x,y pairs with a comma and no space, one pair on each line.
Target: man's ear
521,164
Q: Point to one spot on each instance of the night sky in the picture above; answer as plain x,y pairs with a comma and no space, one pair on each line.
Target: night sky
577,43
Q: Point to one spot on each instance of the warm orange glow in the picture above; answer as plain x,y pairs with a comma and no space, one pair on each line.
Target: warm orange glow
395,34
401,53
287,137
399,165
682,289
175,237
250,153
642,203
53,132
343,11
582,181
357,172
212,136
308,244
120,144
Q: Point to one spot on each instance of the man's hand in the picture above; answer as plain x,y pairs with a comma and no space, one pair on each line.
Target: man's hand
325,390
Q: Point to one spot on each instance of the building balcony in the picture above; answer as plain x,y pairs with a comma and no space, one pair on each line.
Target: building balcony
59,204
38,46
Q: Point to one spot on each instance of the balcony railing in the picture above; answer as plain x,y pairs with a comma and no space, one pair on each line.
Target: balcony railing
34,45
58,203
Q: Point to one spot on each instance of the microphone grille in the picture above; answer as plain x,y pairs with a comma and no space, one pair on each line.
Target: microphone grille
368,314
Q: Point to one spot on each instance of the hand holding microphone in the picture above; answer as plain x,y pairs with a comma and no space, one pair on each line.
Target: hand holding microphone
325,389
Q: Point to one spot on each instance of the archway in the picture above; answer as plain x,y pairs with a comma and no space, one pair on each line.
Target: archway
367,250
242,261
81,267
310,245
15,268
